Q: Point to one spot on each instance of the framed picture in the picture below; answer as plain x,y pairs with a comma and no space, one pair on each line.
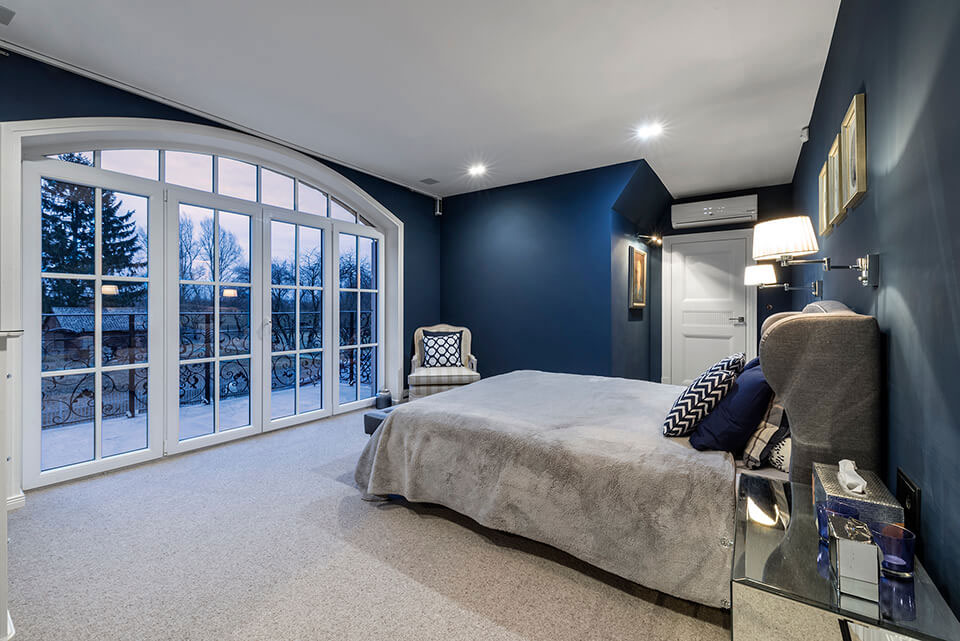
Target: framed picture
823,204
835,211
853,153
637,280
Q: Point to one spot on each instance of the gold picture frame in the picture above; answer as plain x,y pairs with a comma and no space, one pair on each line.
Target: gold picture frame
835,209
823,203
637,279
853,152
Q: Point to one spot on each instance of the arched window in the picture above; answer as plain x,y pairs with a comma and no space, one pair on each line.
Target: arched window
184,285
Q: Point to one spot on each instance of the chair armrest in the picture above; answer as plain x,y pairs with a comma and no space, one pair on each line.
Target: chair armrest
414,363
472,362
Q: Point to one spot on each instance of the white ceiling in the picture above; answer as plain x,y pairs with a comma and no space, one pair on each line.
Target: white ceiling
422,88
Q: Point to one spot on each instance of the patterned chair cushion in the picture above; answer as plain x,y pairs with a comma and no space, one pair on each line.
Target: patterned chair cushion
441,349
698,400
442,376
422,391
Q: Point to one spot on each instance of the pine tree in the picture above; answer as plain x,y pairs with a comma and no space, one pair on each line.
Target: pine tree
69,235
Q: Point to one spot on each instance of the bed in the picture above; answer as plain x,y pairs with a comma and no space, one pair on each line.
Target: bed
579,462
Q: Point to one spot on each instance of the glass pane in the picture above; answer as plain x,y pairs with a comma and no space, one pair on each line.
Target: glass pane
311,257
367,250
368,372
144,163
68,214
311,382
67,323
196,321
123,234
348,375
124,418
283,250
234,320
284,319
78,157
234,247
67,409
236,178
196,243
348,261
283,375
368,318
311,199
123,323
340,212
348,318
276,189
196,400
189,169
311,318
234,394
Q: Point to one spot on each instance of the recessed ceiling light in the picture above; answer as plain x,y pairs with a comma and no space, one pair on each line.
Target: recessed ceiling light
648,131
477,169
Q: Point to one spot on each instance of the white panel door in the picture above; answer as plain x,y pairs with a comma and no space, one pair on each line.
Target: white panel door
708,312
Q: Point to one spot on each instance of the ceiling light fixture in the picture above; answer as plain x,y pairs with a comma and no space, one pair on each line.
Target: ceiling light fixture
648,131
477,169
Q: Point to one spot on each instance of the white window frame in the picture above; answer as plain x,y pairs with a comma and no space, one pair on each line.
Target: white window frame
325,224
187,196
34,139
356,229
33,173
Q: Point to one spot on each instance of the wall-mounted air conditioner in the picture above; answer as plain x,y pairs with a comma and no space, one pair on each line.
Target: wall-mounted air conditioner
723,211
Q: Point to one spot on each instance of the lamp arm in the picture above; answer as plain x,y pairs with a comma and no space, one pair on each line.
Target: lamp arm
815,288
826,262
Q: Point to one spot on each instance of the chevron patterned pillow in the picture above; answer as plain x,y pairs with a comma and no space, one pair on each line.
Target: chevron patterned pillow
734,363
698,400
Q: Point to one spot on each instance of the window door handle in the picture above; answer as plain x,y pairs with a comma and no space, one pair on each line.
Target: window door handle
737,319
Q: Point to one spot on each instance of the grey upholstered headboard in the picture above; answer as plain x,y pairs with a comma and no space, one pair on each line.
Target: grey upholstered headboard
824,365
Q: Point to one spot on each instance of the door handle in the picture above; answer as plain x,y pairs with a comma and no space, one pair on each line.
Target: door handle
738,319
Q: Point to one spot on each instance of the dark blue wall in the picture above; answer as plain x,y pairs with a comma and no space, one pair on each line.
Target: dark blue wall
527,268
32,90
646,202
904,56
630,347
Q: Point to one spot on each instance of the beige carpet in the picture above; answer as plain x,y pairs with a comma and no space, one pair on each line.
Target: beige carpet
267,538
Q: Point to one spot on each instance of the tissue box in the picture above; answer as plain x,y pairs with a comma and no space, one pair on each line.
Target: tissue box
854,558
876,506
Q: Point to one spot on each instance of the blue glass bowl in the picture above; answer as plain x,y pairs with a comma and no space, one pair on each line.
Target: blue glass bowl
832,506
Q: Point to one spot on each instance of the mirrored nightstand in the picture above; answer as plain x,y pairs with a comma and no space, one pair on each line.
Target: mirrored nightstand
781,585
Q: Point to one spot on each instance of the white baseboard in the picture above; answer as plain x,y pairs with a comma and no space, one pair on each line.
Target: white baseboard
16,502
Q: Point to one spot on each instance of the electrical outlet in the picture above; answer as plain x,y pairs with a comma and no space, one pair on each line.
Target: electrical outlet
908,494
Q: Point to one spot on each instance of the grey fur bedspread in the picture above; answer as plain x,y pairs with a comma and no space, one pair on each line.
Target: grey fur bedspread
577,462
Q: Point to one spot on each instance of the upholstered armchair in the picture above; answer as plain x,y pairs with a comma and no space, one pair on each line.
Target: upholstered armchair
425,381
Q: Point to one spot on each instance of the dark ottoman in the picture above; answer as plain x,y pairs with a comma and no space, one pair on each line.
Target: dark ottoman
372,420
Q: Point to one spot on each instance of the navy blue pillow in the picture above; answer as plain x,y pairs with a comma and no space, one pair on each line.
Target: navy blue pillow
735,418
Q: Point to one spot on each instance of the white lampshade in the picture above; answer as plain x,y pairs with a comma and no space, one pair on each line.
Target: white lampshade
774,239
759,275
